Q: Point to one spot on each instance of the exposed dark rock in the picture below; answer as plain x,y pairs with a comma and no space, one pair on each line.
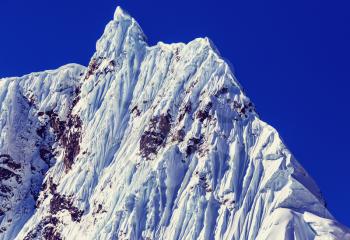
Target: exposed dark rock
193,145
46,155
236,105
155,136
77,90
186,110
136,111
47,187
7,159
41,131
43,187
110,68
5,189
99,208
204,113
243,109
222,91
203,182
180,135
68,133
93,66
51,130
52,186
45,230
71,140
56,124
6,174
10,170
188,107
62,202
75,101
112,63
58,201
164,124
191,149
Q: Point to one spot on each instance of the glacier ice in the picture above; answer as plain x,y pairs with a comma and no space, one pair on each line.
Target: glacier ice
148,142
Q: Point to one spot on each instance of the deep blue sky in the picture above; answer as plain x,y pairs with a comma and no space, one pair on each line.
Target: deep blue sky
292,57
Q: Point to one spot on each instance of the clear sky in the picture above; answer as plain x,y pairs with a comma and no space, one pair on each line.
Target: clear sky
292,57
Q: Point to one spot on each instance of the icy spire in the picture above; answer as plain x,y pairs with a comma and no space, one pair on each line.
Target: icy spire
161,143
120,14
123,31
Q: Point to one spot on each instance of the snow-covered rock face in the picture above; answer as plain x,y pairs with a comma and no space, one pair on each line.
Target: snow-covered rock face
148,142
32,116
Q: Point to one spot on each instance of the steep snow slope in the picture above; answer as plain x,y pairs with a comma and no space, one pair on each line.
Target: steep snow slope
27,138
149,143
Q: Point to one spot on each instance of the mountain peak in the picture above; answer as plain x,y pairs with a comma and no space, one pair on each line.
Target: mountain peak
120,34
121,14
148,143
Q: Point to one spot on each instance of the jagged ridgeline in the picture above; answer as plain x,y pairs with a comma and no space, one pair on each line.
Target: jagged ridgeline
148,142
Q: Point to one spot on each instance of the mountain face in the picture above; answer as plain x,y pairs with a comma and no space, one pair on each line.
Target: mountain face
148,142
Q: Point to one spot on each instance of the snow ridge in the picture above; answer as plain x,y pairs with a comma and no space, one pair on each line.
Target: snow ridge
148,142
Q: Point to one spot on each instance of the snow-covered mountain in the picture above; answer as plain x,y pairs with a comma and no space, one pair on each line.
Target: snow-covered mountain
148,142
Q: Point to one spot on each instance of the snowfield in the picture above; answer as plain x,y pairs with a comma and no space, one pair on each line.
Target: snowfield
148,142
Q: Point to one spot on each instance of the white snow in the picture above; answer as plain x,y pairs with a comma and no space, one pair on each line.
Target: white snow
169,148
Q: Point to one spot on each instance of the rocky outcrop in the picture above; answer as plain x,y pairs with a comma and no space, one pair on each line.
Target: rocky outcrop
155,136
148,142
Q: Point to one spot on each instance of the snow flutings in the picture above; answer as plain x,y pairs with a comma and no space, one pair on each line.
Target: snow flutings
148,142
